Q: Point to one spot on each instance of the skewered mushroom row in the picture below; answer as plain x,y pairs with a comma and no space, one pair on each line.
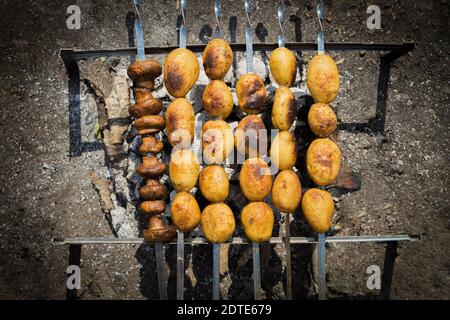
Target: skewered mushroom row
323,157
149,124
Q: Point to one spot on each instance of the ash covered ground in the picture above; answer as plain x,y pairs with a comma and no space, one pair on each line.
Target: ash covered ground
46,193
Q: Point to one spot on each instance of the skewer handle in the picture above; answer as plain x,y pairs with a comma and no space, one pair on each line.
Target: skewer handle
249,36
321,262
320,36
256,272
180,265
216,271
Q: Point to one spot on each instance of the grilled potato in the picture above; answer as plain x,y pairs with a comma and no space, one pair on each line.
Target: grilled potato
217,141
218,222
217,99
322,120
323,161
180,120
217,59
185,212
283,110
286,191
255,179
318,208
183,170
322,78
214,184
283,66
257,219
283,152
248,138
181,71
251,93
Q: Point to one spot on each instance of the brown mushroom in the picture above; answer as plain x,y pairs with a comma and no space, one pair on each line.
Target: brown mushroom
150,122
141,95
144,72
153,207
153,190
151,167
157,231
146,107
150,144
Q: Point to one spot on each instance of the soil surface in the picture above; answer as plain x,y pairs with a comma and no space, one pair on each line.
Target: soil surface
46,192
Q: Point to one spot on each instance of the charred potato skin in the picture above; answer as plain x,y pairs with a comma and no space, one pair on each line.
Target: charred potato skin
283,152
183,170
218,223
283,110
257,219
283,66
322,78
217,141
217,99
214,184
323,161
181,71
180,121
255,179
318,208
217,59
185,212
322,120
242,141
251,93
286,191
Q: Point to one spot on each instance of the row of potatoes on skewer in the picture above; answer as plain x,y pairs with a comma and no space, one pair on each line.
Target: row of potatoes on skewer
181,71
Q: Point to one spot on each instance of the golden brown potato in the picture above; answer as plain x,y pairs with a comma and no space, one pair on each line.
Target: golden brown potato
322,120
318,208
214,184
283,110
181,70
251,93
183,170
217,141
185,212
283,66
255,179
286,191
217,59
323,161
180,121
248,138
322,78
217,99
257,219
218,222
283,151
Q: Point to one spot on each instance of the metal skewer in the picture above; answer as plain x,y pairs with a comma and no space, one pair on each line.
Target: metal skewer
287,243
249,36
180,234
159,247
320,36
281,40
218,14
249,60
321,262
216,271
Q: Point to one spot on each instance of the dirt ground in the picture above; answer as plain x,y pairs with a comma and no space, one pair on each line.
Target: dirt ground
46,193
